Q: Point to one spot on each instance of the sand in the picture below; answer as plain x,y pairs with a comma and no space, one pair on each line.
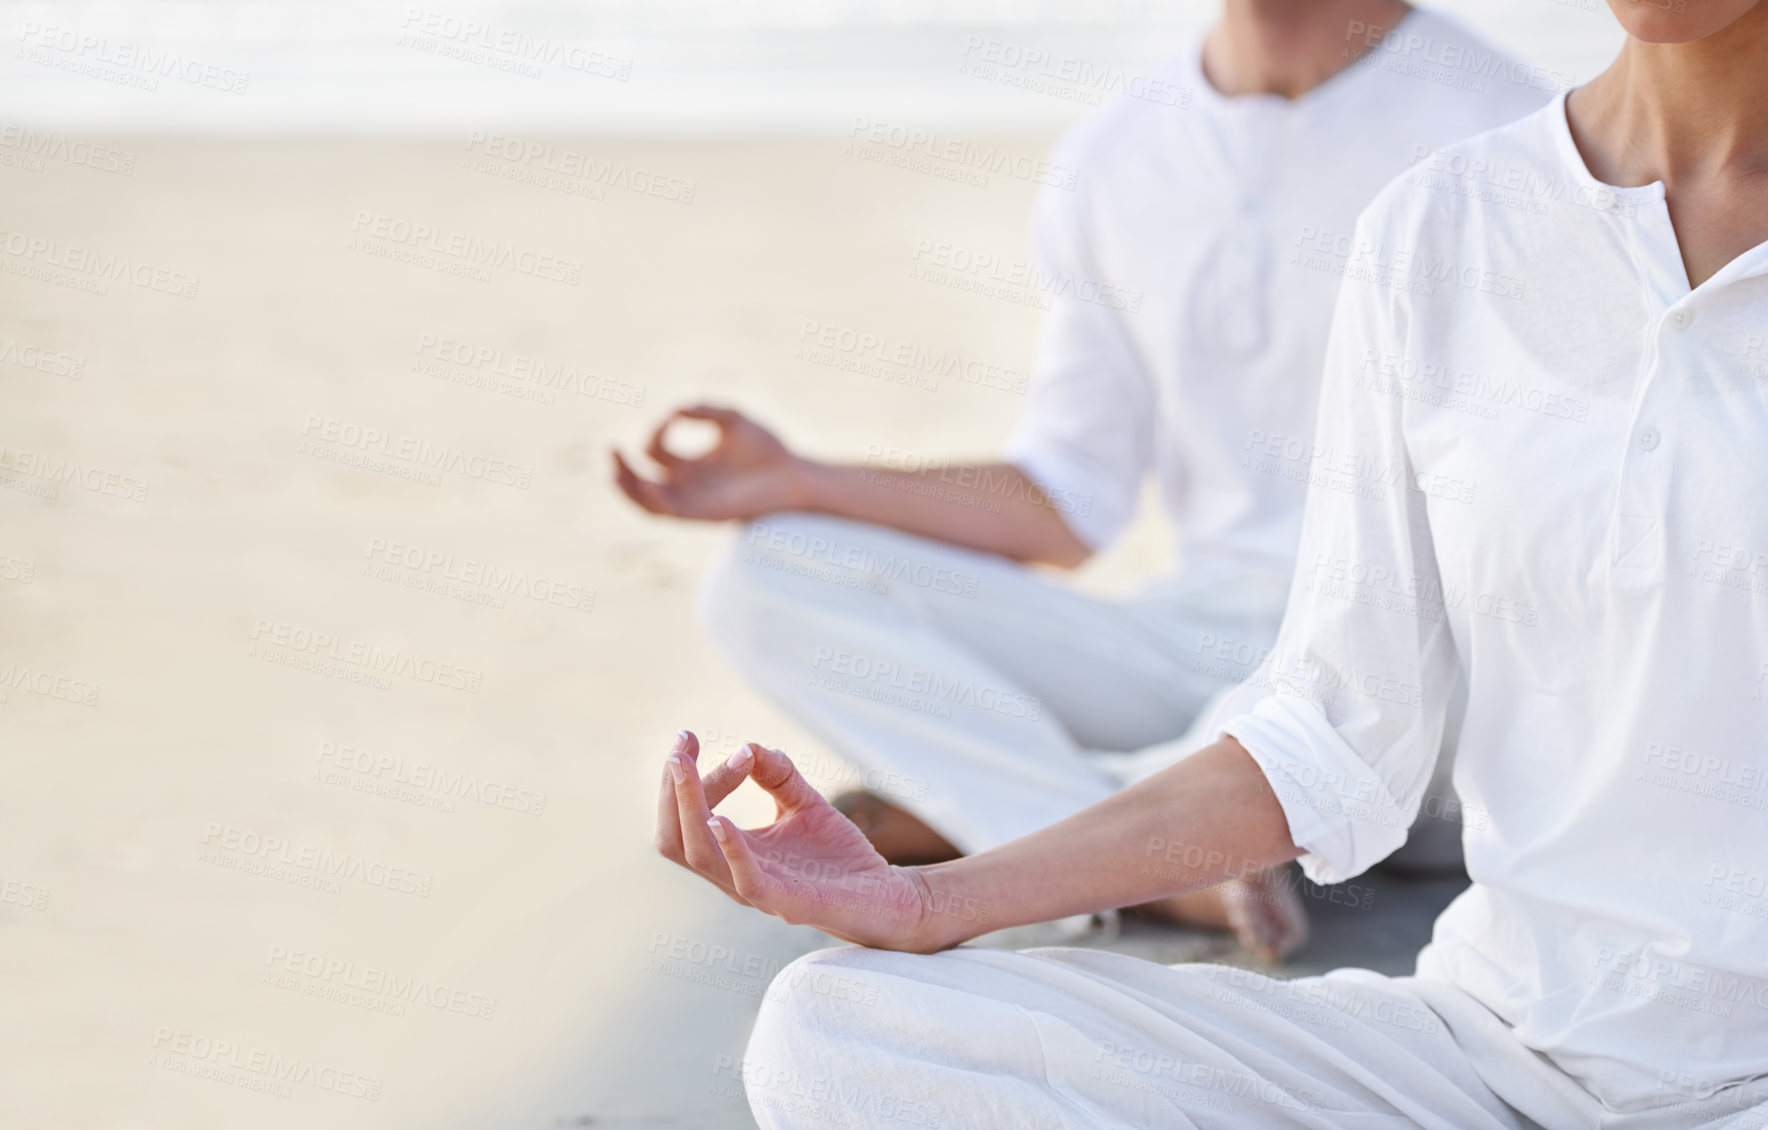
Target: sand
336,676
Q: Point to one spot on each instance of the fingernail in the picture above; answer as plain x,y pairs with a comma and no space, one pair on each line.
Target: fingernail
681,742
742,758
677,771
717,827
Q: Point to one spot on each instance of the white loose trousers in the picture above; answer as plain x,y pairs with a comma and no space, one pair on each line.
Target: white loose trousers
1073,1039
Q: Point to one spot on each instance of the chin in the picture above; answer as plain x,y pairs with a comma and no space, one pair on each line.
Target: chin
1678,21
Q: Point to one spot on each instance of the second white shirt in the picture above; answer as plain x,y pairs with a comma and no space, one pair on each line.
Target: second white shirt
1195,231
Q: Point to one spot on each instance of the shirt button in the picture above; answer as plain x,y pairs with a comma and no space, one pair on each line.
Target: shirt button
1648,439
1680,319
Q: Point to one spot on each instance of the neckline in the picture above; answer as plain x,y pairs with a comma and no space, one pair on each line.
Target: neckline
1750,261
1340,78
1574,158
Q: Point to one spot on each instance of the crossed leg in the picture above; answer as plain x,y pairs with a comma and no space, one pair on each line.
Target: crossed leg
1065,1038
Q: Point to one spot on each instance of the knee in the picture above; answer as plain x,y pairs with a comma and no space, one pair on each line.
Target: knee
777,568
815,1007
733,591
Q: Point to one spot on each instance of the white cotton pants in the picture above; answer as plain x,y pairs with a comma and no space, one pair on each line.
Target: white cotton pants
1070,1038
971,690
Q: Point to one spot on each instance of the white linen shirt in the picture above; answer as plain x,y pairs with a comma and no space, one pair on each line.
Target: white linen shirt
1542,463
1185,332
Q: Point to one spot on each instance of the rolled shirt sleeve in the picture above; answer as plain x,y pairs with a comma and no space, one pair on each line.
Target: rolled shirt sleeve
1086,435
1345,715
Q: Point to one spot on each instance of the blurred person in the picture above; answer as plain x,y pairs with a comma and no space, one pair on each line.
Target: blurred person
1603,587
892,611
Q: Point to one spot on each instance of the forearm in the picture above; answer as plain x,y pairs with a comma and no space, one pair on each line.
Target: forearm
992,507
1209,818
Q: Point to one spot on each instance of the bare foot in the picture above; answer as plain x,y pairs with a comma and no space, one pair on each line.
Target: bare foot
1263,911
897,834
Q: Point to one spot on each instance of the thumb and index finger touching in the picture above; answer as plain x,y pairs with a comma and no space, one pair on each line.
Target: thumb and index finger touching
769,768
721,418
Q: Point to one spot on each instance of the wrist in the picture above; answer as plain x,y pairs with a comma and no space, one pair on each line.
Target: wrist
951,913
807,486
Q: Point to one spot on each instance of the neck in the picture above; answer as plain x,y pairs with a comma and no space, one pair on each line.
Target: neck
1288,47
1677,112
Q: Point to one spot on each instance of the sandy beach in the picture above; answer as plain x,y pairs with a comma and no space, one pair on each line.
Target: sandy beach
335,677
